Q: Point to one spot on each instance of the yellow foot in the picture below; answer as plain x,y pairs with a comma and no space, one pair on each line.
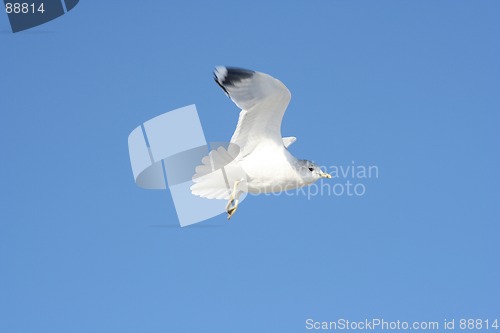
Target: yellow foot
232,204
231,210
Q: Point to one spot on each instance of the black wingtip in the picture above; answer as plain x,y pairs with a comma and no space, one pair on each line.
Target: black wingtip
229,76
220,84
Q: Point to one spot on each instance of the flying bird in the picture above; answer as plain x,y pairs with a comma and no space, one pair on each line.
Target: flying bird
257,159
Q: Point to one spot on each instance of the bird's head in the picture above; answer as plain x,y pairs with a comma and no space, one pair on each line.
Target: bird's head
310,171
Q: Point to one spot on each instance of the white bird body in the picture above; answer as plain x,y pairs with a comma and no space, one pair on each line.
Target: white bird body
270,169
257,159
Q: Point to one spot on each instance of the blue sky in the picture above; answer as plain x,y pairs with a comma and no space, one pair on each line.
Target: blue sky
411,87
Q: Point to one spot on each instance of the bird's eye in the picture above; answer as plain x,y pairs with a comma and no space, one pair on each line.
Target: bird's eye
311,169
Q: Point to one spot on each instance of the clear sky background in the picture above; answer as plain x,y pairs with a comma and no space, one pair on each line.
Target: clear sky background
409,86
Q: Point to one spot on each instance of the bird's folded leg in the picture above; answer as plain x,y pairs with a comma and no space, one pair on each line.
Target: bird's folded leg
232,204
231,208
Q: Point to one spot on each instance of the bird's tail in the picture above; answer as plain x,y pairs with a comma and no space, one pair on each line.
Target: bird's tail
215,177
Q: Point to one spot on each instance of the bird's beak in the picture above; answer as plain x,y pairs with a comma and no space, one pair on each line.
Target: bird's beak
325,175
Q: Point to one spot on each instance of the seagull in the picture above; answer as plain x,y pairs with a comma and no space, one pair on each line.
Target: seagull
257,159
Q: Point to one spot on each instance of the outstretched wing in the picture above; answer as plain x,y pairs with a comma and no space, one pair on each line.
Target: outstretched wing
263,100
287,142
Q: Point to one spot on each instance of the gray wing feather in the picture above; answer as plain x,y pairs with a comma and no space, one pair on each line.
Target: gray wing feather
263,100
